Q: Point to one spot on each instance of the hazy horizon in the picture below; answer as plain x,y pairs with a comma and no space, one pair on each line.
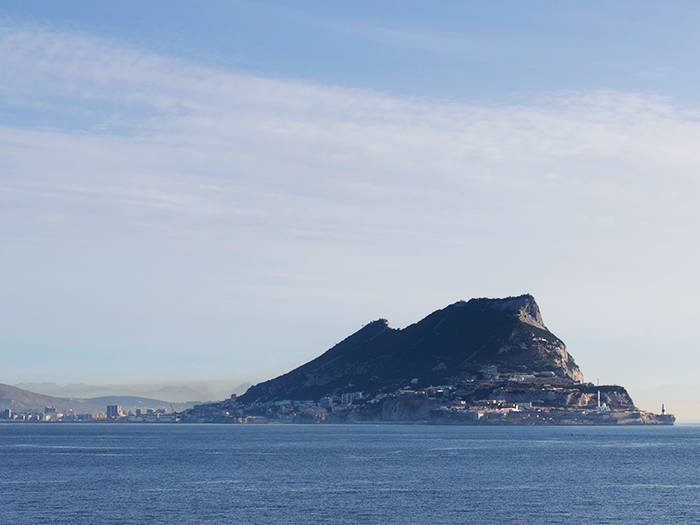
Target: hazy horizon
678,398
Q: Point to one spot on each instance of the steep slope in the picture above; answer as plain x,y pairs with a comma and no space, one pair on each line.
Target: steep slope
19,399
449,344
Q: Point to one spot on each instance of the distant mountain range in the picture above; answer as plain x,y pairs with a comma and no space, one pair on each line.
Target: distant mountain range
458,342
172,394
20,400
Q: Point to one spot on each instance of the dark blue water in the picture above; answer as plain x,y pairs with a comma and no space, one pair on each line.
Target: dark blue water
349,474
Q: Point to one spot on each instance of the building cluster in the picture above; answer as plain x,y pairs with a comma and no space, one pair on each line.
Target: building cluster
510,398
48,414
112,413
459,401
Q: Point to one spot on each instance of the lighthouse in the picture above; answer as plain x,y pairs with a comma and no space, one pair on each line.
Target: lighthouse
663,409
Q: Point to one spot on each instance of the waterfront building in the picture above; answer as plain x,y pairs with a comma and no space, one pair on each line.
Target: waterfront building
114,410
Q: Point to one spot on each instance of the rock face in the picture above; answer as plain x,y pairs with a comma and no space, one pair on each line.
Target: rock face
451,344
582,396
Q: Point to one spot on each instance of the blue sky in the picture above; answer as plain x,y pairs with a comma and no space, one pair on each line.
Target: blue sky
223,190
460,50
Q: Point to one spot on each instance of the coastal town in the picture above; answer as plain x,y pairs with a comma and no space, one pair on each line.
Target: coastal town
519,399
539,398
112,413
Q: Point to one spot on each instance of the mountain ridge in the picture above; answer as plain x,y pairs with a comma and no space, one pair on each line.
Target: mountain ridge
19,400
447,345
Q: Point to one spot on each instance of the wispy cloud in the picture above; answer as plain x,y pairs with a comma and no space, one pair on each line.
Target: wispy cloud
194,129
380,188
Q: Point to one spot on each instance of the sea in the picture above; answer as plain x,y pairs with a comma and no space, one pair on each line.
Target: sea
347,474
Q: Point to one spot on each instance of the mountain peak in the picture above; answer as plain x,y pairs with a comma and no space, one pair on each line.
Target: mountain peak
524,306
447,346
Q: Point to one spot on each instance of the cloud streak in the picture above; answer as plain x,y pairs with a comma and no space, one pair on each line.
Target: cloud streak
357,191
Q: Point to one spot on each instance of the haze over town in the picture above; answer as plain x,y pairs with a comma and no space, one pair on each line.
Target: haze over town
215,193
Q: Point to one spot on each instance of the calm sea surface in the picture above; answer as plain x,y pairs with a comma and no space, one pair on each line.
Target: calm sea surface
123,474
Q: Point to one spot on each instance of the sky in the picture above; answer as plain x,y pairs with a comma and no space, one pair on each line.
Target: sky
222,190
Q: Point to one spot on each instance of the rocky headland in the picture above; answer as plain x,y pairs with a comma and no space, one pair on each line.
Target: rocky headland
484,361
